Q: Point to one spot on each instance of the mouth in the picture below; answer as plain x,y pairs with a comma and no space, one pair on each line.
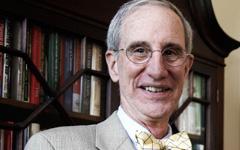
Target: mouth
153,89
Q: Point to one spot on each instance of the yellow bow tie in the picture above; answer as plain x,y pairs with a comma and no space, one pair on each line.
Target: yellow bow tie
179,141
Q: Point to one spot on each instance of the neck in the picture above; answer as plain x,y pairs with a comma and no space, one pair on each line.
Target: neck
157,129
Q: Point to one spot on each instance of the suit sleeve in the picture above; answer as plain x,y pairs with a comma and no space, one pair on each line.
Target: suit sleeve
38,142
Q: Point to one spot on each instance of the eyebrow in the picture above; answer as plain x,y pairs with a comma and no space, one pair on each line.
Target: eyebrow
137,44
173,45
146,44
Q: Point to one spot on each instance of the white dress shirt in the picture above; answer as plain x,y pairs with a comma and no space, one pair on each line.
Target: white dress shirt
131,126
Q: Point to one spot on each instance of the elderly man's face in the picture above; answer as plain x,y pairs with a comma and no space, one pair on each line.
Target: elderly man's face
151,90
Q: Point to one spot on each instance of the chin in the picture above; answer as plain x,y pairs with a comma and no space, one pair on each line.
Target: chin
157,112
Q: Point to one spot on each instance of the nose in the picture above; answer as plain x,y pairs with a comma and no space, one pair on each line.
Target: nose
156,68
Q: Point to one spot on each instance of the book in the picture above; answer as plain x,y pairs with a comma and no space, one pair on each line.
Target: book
76,68
16,63
8,136
191,119
85,94
198,147
18,140
95,97
26,73
83,52
1,139
36,38
1,54
199,86
30,130
23,48
68,72
56,60
50,61
34,128
26,135
86,53
42,65
7,59
62,63
198,116
96,62
53,62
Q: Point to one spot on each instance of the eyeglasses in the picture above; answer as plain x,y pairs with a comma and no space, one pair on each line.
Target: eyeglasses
172,56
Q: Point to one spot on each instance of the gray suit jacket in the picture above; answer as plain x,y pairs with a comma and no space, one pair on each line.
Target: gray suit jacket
107,135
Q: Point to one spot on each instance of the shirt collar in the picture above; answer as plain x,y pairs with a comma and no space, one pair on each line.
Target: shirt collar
131,126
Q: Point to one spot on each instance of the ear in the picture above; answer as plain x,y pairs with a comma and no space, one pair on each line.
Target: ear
189,64
112,65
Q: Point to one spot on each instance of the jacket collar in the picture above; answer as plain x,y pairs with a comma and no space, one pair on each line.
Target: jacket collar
110,135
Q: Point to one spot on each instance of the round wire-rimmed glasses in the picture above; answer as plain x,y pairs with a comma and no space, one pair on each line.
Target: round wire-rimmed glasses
171,56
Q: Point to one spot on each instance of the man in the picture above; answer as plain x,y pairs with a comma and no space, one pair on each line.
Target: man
149,44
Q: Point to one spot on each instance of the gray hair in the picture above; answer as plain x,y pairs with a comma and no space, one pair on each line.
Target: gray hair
113,35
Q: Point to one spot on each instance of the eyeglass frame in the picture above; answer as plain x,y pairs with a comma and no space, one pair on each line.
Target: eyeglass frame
185,55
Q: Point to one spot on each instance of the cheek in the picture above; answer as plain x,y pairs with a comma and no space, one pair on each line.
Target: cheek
128,71
179,78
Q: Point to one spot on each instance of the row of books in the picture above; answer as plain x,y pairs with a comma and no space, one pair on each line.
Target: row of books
20,139
192,119
58,56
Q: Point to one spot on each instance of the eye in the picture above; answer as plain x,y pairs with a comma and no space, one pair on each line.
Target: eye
169,52
138,54
172,53
140,51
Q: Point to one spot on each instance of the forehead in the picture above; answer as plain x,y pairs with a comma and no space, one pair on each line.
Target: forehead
152,24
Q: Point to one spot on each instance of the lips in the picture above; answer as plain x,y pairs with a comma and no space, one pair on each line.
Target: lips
156,89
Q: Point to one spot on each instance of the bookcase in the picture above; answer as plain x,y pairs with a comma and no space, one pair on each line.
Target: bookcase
77,22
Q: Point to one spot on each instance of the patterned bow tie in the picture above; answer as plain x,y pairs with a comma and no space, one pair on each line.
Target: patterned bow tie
179,141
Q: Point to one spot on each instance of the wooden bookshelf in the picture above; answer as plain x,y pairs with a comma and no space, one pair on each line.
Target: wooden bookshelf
89,18
48,117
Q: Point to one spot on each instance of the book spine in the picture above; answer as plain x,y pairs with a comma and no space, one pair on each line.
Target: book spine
16,63
1,139
26,135
50,69
35,53
18,140
197,82
62,62
8,136
76,68
7,59
97,52
95,97
34,128
1,54
24,49
42,65
46,56
88,54
83,53
26,73
86,93
68,72
56,66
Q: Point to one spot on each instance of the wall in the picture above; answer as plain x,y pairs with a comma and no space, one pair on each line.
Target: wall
232,102
228,16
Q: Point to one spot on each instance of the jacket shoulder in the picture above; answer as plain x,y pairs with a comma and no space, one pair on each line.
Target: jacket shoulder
72,137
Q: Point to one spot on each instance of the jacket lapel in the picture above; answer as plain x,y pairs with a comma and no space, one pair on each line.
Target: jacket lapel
110,135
